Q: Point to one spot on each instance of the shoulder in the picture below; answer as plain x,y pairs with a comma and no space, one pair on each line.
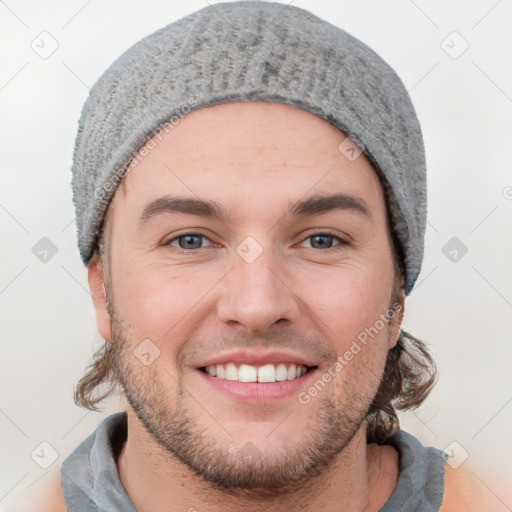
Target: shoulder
45,495
468,491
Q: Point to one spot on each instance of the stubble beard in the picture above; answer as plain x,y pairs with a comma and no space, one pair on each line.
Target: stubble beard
249,471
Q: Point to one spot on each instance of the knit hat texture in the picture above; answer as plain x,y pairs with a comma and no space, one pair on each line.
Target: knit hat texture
252,51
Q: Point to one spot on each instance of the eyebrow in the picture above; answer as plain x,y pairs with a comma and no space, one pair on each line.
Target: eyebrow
316,205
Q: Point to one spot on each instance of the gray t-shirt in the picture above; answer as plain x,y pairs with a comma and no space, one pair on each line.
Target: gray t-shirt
90,481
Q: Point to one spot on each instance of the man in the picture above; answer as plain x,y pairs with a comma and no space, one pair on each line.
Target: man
250,189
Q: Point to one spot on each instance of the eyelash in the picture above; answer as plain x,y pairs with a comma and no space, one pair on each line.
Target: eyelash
193,251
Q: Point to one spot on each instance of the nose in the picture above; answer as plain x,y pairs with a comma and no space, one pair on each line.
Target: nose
258,294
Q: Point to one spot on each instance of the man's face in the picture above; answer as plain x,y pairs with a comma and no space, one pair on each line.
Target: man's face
265,289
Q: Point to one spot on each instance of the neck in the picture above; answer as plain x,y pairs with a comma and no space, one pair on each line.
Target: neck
361,479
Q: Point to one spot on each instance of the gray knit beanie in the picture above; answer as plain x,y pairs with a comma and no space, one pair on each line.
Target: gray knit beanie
252,51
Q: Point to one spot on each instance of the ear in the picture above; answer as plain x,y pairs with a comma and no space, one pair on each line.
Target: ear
99,297
397,308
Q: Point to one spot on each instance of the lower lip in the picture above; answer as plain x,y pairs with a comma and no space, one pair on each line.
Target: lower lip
256,392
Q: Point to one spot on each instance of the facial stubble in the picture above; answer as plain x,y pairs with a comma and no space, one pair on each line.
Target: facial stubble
237,467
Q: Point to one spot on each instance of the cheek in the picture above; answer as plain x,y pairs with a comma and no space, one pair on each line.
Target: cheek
359,336
159,302
348,305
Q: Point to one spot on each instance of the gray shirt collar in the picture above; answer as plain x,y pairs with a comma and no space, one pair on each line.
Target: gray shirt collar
90,481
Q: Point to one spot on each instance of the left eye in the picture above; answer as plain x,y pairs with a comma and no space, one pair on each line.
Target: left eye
320,240
188,241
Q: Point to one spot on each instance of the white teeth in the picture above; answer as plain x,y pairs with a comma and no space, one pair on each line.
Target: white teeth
247,373
231,372
281,372
266,373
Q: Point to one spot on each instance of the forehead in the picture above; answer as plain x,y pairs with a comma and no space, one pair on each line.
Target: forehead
250,152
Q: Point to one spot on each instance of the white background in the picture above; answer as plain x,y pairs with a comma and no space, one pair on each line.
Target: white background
461,309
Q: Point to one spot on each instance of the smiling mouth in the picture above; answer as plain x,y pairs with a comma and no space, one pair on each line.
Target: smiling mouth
267,373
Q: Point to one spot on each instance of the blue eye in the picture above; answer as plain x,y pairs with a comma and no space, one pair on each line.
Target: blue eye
188,241
323,241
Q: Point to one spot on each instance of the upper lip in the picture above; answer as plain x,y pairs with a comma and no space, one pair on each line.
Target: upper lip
259,358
